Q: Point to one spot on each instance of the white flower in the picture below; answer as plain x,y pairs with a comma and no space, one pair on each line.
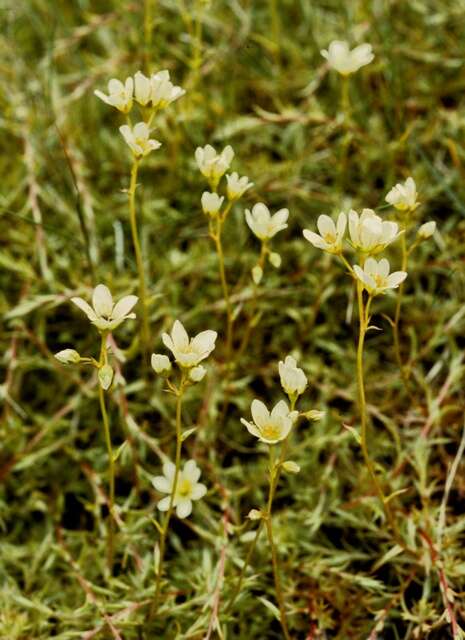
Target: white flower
293,379
403,196
331,235
369,233
345,61
160,363
270,428
211,203
237,186
375,276
142,89
426,230
211,164
138,139
68,356
106,315
119,94
187,487
197,373
263,224
163,92
189,352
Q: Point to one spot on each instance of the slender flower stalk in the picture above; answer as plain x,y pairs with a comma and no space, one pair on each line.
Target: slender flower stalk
164,532
274,475
364,319
395,327
145,332
111,461
216,232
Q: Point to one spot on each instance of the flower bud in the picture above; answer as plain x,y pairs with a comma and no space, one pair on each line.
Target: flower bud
197,373
257,274
293,379
275,259
211,203
314,415
426,230
160,364
291,467
254,514
105,376
68,356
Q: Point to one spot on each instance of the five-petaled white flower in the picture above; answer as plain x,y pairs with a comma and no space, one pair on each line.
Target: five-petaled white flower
211,203
375,276
211,164
105,314
119,94
189,352
345,61
331,235
270,427
426,230
187,487
138,139
369,233
163,91
293,379
237,186
403,196
263,224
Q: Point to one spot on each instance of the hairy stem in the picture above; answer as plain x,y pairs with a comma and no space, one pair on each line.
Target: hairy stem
145,336
111,462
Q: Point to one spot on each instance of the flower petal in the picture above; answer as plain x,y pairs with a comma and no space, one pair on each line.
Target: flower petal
179,335
84,306
102,301
184,509
162,484
260,413
123,307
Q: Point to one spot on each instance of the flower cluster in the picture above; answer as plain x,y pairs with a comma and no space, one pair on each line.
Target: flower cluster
156,91
105,315
188,352
150,93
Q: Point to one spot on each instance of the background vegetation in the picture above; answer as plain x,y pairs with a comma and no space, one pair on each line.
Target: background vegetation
254,79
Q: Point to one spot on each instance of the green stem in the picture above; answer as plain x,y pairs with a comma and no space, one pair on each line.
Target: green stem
363,325
254,541
398,310
111,462
274,471
163,536
217,238
145,336
148,23
275,28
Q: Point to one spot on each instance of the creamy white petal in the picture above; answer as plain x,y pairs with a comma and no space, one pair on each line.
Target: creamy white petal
251,428
84,306
260,413
164,504
198,491
124,306
179,335
184,508
395,279
102,300
162,484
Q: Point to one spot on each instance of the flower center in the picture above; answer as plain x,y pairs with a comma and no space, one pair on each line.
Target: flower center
329,237
185,489
271,431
